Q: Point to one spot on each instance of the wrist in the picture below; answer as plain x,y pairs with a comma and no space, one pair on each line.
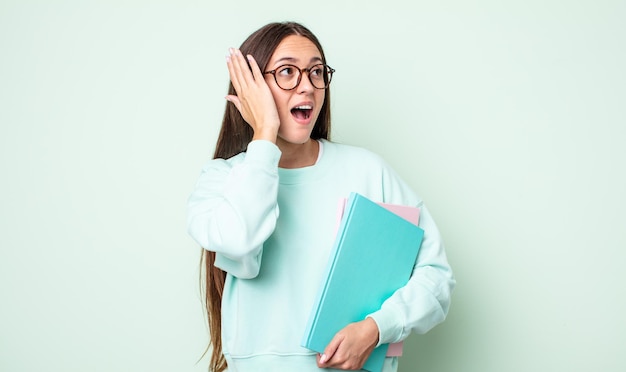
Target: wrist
268,134
372,330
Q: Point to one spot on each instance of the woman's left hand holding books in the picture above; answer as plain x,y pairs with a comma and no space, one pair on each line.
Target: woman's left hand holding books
351,346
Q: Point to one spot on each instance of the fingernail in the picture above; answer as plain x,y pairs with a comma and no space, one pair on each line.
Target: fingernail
227,59
323,358
231,51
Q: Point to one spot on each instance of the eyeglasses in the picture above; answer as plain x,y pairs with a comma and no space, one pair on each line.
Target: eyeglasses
288,77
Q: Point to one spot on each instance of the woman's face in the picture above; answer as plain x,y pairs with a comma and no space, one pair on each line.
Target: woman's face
298,108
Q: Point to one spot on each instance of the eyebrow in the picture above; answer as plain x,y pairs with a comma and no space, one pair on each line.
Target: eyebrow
294,60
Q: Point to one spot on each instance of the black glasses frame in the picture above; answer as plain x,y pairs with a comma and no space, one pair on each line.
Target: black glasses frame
329,72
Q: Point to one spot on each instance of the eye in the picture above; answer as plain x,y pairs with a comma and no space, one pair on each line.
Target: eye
286,71
317,71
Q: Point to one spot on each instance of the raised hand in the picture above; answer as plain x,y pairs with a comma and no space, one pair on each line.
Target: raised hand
254,98
351,346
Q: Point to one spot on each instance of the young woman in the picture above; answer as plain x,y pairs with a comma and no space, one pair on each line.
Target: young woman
264,210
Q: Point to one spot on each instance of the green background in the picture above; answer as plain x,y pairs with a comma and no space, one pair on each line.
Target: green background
507,117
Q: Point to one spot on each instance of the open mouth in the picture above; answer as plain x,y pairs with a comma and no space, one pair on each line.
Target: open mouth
302,112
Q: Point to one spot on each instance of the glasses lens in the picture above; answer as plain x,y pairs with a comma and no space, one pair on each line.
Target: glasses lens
320,76
287,76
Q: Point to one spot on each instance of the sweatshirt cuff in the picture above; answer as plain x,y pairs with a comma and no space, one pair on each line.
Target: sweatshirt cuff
263,152
387,321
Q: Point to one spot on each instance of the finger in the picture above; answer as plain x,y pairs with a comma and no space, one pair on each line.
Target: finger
235,71
330,350
232,72
234,100
321,360
256,70
244,76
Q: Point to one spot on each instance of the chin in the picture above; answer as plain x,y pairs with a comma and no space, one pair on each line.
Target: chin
296,139
295,134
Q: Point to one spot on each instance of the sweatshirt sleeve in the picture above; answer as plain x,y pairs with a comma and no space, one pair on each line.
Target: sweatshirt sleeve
233,208
424,301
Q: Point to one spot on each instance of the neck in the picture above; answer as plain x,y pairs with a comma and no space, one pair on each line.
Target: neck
297,155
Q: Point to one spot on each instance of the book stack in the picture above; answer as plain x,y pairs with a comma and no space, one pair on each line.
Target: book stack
374,253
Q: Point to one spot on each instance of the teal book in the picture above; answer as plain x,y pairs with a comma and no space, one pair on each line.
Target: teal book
373,255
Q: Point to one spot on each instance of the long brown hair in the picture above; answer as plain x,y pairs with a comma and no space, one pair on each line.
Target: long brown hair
233,139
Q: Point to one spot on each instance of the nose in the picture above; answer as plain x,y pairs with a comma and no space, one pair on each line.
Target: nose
305,84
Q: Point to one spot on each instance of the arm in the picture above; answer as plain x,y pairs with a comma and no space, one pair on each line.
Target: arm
424,301
233,209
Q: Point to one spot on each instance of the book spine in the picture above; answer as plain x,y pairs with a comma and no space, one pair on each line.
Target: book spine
312,322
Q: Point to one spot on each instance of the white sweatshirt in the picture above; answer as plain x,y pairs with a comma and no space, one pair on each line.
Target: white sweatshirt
272,230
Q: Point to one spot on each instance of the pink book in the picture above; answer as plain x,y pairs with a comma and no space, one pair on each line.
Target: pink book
411,214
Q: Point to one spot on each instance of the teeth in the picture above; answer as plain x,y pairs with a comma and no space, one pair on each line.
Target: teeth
303,107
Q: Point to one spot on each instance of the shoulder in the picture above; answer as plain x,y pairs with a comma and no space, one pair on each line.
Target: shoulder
220,165
363,164
259,155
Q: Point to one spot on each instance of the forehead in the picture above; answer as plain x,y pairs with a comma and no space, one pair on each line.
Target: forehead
296,47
